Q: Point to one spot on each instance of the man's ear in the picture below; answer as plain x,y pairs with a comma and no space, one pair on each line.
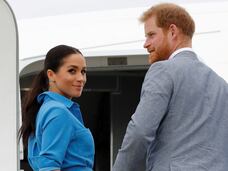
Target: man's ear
51,75
173,30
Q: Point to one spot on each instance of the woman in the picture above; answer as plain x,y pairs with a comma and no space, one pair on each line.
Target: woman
52,126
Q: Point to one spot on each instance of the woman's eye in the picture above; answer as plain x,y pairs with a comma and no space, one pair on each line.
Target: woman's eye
72,71
83,71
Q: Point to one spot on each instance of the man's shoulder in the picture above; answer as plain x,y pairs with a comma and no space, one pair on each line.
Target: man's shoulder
180,64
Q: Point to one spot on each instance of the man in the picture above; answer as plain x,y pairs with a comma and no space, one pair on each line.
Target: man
181,121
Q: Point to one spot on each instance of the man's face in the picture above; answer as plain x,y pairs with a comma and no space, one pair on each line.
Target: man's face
157,42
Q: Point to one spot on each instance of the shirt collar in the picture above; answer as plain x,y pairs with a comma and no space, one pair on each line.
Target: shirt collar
180,50
55,96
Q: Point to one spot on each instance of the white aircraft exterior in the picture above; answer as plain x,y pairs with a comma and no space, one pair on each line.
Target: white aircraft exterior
119,33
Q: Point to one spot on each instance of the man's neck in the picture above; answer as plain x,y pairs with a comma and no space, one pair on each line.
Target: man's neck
183,42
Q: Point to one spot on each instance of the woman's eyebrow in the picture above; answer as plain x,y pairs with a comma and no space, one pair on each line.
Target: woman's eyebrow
72,66
75,66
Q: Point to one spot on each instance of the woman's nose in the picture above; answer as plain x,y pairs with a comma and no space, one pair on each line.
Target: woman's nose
80,77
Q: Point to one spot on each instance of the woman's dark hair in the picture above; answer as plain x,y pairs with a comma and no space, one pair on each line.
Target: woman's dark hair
30,106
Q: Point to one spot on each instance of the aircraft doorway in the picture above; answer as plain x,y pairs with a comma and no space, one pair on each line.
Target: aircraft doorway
108,101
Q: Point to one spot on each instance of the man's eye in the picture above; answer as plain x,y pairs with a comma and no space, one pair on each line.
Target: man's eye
150,35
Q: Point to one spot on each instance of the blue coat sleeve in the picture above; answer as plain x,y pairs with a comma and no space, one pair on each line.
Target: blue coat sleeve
56,135
141,130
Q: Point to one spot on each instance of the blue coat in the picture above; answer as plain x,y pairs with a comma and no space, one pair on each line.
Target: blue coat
61,141
181,121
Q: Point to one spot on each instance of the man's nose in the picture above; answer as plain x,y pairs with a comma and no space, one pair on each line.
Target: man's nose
146,44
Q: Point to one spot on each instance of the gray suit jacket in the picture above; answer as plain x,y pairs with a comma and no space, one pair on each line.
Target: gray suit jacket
181,121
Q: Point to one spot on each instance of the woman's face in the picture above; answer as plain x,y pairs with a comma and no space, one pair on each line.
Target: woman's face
70,78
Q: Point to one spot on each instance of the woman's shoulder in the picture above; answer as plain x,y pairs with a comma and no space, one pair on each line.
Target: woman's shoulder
53,105
54,109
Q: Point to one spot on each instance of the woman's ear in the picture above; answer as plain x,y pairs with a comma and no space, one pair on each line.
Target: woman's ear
50,75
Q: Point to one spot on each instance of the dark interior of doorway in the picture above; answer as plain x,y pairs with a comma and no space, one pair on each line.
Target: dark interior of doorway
95,107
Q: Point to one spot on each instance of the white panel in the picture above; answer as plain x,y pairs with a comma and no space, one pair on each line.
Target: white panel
9,88
210,41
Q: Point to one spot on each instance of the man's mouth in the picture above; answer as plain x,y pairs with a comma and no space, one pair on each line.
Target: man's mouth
150,51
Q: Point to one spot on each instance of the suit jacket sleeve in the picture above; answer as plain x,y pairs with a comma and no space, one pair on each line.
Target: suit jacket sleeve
141,130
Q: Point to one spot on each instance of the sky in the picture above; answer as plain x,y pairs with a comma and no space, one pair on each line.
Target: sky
39,8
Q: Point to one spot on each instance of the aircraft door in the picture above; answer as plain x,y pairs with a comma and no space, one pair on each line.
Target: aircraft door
9,88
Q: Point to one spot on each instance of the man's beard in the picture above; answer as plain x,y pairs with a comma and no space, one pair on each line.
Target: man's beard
162,55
